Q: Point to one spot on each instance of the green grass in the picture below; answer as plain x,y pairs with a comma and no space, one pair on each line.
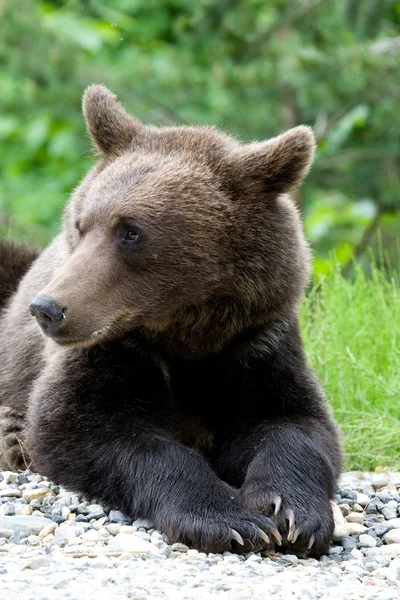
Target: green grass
351,330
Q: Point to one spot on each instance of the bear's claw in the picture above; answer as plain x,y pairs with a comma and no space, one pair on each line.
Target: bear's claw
311,542
290,519
263,536
277,501
237,537
277,536
295,535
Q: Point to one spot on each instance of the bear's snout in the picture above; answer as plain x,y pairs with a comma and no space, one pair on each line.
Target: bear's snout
48,313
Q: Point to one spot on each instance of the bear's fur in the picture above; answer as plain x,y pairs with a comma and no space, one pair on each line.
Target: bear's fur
173,384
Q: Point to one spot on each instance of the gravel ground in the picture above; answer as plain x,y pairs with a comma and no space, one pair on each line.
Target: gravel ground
54,544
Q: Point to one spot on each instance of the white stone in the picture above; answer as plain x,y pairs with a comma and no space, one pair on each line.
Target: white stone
36,494
74,541
92,535
367,541
391,549
356,528
113,528
394,523
394,570
395,478
23,509
65,512
351,567
132,543
50,528
381,572
341,525
127,529
65,497
362,499
355,517
10,477
144,535
392,536
67,531
10,493
104,533
37,562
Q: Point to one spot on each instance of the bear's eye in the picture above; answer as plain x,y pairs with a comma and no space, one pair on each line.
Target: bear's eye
132,235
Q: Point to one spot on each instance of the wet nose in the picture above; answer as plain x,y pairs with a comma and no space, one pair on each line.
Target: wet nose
48,313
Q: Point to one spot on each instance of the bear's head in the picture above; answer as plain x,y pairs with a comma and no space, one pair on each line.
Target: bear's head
183,232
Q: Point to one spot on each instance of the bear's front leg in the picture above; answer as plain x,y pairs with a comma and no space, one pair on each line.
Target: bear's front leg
100,423
290,475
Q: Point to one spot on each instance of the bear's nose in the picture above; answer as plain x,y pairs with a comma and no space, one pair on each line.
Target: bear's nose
48,313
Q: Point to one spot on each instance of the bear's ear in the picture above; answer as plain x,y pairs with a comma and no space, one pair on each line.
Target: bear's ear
110,127
281,162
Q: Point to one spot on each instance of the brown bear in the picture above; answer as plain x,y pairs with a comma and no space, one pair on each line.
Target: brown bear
163,372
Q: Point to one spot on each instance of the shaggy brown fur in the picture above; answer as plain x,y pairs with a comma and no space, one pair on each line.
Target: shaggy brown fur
169,303
15,261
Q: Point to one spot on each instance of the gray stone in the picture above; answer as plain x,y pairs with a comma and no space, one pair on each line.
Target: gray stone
95,512
348,493
27,525
387,495
9,509
380,528
59,540
389,513
334,550
374,505
117,516
379,480
145,523
179,548
15,537
349,542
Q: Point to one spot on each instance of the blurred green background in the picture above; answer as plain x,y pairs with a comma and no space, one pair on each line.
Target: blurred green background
253,67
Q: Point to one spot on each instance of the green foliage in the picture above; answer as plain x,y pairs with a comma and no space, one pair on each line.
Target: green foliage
351,331
250,66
